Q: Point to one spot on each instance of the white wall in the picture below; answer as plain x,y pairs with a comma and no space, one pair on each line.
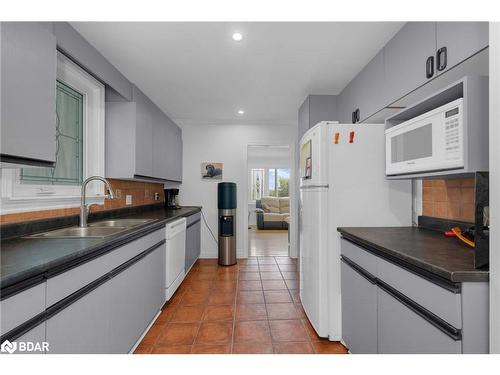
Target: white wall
494,188
226,144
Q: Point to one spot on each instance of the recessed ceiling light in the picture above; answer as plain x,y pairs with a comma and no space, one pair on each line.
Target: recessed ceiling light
241,112
237,37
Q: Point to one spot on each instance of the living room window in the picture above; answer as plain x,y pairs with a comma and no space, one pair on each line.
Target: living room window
278,182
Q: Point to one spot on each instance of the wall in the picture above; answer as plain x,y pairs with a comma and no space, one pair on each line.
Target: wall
142,194
226,144
494,188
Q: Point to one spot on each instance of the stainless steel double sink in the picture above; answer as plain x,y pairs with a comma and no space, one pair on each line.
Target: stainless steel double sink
100,229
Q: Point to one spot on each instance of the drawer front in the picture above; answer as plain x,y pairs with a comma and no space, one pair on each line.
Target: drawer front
21,307
62,285
359,256
193,218
438,300
402,331
36,335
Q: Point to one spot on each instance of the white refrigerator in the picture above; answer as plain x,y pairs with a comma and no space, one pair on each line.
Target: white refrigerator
342,183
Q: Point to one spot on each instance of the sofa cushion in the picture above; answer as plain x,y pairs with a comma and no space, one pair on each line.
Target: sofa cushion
274,217
284,205
272,203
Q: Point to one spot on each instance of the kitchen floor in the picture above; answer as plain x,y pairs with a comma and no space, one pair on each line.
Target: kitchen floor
267,243
250,308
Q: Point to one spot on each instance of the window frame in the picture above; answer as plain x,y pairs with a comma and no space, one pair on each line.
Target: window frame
19,197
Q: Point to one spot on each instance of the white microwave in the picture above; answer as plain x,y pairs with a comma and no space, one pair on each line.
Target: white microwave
433,141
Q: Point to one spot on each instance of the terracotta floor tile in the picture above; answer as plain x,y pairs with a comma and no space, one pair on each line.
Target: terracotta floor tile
203,276
227,276
288,330
166,315
214,333
219,313
211,349
271,275
152,335
249,276
226,286
195,298
221,298
268,268
249,268
310,330
267,261
285,260
277,296
253,348
176,298
171,349
288,267
300,311
200,286
273,284
206,261
251,331
248,261
253,311
178,334
293,348
143,348
228,269
288,275
329,347
295,293
186,314
250,285
292,284
282,311
250,296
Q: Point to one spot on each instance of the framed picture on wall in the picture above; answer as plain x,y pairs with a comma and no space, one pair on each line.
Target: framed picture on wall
211,171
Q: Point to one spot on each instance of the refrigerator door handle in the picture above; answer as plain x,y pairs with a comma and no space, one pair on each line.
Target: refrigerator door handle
314,186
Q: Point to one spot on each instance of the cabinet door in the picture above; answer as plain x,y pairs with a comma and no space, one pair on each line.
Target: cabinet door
174,148
347,101
461,39
372,95
402,331
28,92
36,336
160,145
144,135
359,312
193,240
405,58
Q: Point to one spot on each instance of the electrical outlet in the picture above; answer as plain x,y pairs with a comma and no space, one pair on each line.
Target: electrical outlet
157,196
118,193
128,200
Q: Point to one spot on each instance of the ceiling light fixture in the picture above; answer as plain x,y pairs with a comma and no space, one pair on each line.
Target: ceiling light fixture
237,37
241,112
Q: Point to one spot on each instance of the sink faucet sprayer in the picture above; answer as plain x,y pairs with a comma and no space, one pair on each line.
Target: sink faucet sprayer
84,208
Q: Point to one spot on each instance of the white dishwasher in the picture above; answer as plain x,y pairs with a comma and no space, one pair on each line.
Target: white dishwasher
175,246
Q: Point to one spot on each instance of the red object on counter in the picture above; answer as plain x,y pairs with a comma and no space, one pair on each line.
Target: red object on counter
351,137
449,233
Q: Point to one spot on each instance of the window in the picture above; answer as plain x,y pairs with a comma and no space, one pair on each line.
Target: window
80,148
257,184
272,182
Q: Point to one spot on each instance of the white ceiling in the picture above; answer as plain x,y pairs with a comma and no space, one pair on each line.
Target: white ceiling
196,73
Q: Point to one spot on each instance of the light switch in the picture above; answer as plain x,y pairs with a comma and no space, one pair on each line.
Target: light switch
128,200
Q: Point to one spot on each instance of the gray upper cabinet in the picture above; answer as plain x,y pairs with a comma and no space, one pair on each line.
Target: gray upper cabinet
28,94
317,108
141,141
405,58
461,40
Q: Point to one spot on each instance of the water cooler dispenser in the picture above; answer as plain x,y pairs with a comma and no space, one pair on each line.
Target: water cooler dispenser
226,202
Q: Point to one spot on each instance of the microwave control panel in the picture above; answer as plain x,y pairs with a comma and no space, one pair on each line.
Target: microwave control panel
452,134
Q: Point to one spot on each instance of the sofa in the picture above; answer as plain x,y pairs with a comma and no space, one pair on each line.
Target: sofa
271,212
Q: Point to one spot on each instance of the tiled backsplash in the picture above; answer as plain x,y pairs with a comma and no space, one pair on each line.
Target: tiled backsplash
452,199
143,193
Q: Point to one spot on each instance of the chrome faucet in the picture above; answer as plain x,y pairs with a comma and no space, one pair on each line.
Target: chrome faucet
85,208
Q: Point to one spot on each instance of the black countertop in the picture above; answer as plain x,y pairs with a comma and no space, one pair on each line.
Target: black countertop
421,249
28,260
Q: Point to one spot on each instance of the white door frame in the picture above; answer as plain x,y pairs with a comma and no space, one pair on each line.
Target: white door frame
293,204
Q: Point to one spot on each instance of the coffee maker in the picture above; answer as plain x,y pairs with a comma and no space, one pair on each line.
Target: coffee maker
172,198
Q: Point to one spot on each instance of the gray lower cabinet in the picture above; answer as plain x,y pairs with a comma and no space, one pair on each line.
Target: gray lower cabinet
359,311
111,317
402,331
33,341
141,141
461,40
193,240
28,94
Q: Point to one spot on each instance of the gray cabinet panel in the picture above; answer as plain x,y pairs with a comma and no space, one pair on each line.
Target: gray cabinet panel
144,135
359,256
405,57
316,108
372,94
36,335
28,91
303,117
21,307
461,39
193,243
402,331
359,312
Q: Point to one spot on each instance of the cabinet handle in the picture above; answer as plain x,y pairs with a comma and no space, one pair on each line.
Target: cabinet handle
353,117
356,115
442,58
429,67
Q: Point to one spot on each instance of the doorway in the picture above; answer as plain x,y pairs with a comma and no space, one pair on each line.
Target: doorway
269,200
